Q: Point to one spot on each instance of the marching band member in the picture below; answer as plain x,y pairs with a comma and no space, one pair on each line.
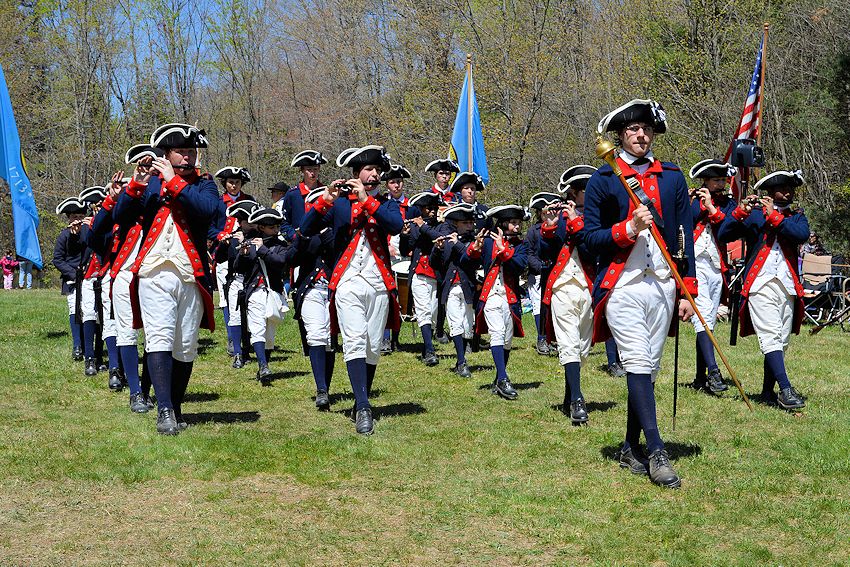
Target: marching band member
310,163
449,258
97,325
394,179
538,269
67,258
312,305
362,287
172,288
566,310
234,285
233,180
499,313
443,170
634,292
467,185
265,258
772,296
710,206
419,234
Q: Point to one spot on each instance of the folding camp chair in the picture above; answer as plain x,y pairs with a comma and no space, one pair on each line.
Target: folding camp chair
824,291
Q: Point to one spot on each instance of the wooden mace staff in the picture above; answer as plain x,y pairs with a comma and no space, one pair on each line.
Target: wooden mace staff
605,150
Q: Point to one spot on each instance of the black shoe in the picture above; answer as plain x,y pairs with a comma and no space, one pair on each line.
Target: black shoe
181,422
237,361
363,421
768,398
505,389
115,383
102,367
616,370
699,384
430,359
578,412
789,399
386,346
660,470
635,462
166,423
443,339
91,367
543,347
323,402
137,403
77,353
149,402
462,370
715,381
263,375
230,347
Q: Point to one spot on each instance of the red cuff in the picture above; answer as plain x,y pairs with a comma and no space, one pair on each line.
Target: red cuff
717,217
135,189
173,188
507,254
371,205
108,203
547,231
691,285
472,252
575,225
321,206
740,213
621,235
775,218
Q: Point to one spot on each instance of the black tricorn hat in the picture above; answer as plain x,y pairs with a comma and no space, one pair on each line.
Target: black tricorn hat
575,177
444,164
636,110
709,168
459,211
782,178
543,200
269,217
281,186
314,194
357,158
177,135
506,212
396,171
242,209
467,177
308,158
233,172
94,194
426,199
139,151
70,206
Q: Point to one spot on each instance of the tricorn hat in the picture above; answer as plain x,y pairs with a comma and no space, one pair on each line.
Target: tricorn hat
709,168
139,151
233,172
782,178
242,209
467,177
177,135
70,206
268,217
308,158
543,200
94,194
575,177
506,212
426,199
396,171
636,110
459,211
443,165
357,158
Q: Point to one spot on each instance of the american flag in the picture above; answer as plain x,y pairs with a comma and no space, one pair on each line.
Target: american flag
750,123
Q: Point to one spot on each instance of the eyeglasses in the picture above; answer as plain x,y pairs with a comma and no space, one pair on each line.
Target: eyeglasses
635,128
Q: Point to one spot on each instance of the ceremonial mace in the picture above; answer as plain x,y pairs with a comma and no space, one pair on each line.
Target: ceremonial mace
605,150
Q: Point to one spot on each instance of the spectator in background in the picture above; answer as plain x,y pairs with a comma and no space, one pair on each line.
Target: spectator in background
813,246
9,264
24,273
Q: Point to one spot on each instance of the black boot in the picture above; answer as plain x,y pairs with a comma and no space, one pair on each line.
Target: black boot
789,399
77,353
661,471
578,412
634,461
91,367
115,382
505,389
363,421
323,401
264,375
237,361
166,422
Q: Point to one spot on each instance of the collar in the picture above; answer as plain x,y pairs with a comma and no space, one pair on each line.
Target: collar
631,159
436,189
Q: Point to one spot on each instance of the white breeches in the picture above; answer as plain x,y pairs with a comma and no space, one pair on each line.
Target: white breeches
424,290
316,317
362,314
126,334
572,319
710,286
772,313
459,313
500,324
171,313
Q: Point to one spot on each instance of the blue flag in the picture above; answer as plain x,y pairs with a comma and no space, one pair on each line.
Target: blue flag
12,170
468,124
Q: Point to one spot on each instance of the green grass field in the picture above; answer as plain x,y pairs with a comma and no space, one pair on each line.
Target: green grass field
453,475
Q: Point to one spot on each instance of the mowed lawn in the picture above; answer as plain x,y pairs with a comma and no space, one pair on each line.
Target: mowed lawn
452,475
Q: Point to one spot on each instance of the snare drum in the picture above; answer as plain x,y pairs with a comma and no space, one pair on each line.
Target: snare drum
401,271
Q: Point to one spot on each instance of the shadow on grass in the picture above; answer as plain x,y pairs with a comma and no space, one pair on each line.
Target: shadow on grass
222,417
401,409
278,358
55,334
481,367
287,375
341,397
517,386
205,344
200,397
675,449
591,407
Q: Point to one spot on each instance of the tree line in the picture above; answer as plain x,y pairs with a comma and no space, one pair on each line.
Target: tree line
267,78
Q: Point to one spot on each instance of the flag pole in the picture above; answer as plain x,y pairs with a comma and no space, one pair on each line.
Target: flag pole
469,109
761,89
